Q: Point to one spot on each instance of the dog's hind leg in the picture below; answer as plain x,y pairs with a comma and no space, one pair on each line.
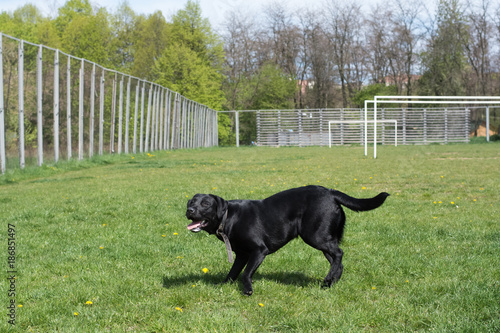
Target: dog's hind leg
239,263
334,256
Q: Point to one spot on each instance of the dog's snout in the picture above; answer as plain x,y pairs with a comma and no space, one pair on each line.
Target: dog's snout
190,210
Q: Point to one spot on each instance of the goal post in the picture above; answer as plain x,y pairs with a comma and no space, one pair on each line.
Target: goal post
482,100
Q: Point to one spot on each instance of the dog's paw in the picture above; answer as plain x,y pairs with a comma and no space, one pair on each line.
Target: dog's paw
248,292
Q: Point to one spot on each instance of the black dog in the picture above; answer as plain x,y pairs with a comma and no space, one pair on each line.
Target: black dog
256,228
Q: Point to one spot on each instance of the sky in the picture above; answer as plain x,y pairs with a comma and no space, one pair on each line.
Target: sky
214,10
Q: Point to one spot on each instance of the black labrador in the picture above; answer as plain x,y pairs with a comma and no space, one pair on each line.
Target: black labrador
256,228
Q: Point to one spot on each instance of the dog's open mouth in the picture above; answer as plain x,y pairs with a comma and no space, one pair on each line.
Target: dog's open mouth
196,225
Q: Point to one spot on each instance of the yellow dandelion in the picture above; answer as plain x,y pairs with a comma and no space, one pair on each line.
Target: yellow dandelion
474,200
214,188
178,309
435,202
435,217
452,202
101,247
205,270
407,281
373,288
20,306
163,235
89,303
75,313
363,188
440,202
133,157
175,233
261,305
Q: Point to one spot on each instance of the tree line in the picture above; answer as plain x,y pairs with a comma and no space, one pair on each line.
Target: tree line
335,55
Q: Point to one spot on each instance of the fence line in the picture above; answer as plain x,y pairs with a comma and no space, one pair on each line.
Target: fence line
310,127
51,84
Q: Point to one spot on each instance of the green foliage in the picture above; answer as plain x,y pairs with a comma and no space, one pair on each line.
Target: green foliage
181,70
273,88
372,90
191,62
123,23
150,40
226,135
88,37
193,31
71,10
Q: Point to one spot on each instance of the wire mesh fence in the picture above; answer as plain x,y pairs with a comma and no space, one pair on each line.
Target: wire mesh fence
408,126
56,106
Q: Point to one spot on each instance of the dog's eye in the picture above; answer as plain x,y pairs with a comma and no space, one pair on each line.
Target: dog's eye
205,204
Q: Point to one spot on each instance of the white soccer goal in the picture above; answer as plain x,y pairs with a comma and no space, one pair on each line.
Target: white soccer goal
482,100
395,122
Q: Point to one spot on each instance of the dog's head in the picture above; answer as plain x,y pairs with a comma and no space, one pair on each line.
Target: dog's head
206,211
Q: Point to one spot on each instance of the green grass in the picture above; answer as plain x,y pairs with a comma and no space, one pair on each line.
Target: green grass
112,231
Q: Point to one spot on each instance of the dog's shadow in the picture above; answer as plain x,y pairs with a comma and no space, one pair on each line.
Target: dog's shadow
287,278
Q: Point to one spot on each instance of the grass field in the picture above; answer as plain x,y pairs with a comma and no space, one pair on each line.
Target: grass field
102,245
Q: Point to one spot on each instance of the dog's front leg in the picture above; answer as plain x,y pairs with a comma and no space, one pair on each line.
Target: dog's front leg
254,262
240,262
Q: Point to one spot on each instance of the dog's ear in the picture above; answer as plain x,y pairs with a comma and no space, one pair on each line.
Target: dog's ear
221,206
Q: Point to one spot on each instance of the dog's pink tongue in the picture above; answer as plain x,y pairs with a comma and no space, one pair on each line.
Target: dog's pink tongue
194,225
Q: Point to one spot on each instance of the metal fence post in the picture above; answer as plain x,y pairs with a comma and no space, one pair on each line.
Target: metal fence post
136,114
141,142
237,120
56,106
120,117
91,116
80,112
148,120
68,108
39,107
160,124
487,124
21,103
127,116
101,114
445,126
168,106
113,114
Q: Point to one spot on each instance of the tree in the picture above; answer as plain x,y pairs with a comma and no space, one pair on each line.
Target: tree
123,24
477,49
445,60
191,64
150,40
71,10
180,69
88,37
344,33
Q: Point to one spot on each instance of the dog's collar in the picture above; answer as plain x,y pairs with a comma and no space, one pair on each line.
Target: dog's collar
220,232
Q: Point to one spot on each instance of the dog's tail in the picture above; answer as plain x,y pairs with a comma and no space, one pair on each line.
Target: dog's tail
359,205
